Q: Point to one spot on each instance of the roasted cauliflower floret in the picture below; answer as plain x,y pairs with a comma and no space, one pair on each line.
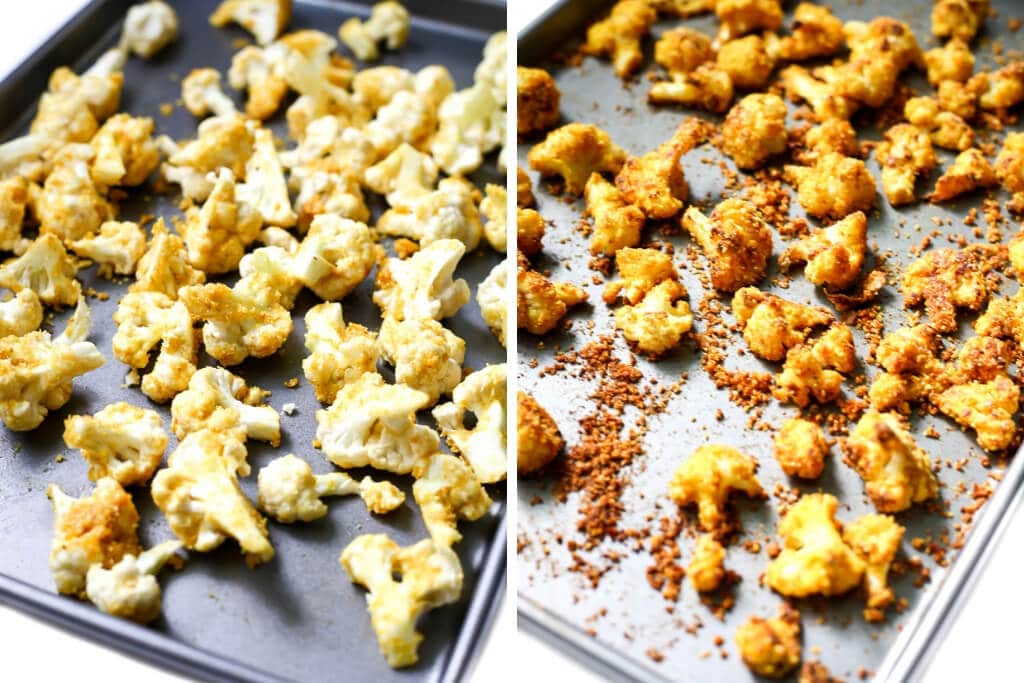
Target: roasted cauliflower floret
883,35
772,325
492,207
339,352
261,73
706,570
21,314
707,87
217,397
896,472
116,248
998,90
908,358
946,129
217,235
875,538
541,303
425,355
264,19
404,583
573,152
755,130
815,370
524,189
491,295
121,441
449,212
404,176
617,223
658,322
537,98
823,97
70,205
740,17
125,151
968,172
945,280
530,229
749,61
736,241
834,187
987,407
954,61
129,589
276,264
422,286
145,320
482,393
619,36
816,33
265,191
14,200
831,135
148,28
771,647
1009,168
537,435
221,142
654,182
46,269
905,154
202,94
164,267
641,270
388,23
708,477
833,255
801,448
681,50
958,19
447,490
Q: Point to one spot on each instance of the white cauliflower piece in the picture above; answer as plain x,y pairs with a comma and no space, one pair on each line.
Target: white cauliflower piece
422,286
472,123
148,27
21,314
129,589
324,191
493,209
483,446
14,199
217,397
409,118
121,441
164,268
449,212
376,86
217,235
339,353
425,355
388,22
335,256
491,296
403,176
117,247
276,264
23,156
202,94
125,151
260,72
221,142
447,490
145,320
491,69
264,19
265,189
374,424
70,205
319,141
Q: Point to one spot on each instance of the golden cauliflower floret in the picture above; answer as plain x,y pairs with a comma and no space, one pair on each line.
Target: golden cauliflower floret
833,255
989,408
823,97
482,394
447,490
1009,168
125,151
537,435
422,286
831,135
537,99
573,152
21,314
129,589
46,269
264,19
869,80
747,60
221,142
145,320
217,397
339,352
261,72
904,154
530,230
958,19
70,205
911,368
816,33
772,325
954,61
947,279
801,448
655,183
617,223
116,248
706,570
449,212
708,477
815,370
541,303
657,324
814,559
883,35
619,36
404,583
164,267
707,87
492,207
834,187
876,539
740,17
755,130
98,529
641,271
491,295
771,647
682,50
999,90
736,241
426,356
388,23
683,8
947,130
896,472
121,441
524,189
14,200
968,172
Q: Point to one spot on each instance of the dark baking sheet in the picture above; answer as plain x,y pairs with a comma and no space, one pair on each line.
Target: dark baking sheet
297,617
558,604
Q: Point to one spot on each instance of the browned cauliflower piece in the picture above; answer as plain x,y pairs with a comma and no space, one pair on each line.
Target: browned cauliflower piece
954,61
707,478
736,241
740,17
945,280
824,98
537,99
904,154
654,182
999,90
540,303
875,538
946,129
682,50
833,255
755,130
884,36
706,87
641,270
617,224
897,473
772,325
705,569
574,151
989,408
1010,171
911,368
831,135
834,187
529,231
968,172
961,98
958,19
683,8
771,647
537,435
524,189
125,151
619,35
816,369
801,448
816,33
657,324
869,80
748,61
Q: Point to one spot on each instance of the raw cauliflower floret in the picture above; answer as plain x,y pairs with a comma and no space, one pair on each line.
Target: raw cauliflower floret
771,647
70,205
706,570
335,256
221,142
491,69
815,370
537,99
98,529
823,97
947,279
21,314
541,303
216,235
422,286
471,123
833,255
619,36
339,353
617,223
707,478
946,129
896,472
325,191
740,17
875,538
682,50
148,28
482,393
1009,168
654,182
202,94
425,355
707,87
537,435
958,19
125,151
815,560
736,241
290,492
23,156
404,583
755,130
801,448
146,319
388,23
816,33
657,324
492,207
905,154
968,172
772,325
260,72
373,424
117,247
265,190
987,407
403,176
198,493
164,268
447,490
449,212
573,152
834,187
121,441
129,589
217,397
954,61
241,321
264,19
491,295
378,85
14,200
276,264
410,118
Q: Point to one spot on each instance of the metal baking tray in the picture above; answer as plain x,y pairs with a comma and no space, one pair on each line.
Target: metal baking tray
298,617
613,627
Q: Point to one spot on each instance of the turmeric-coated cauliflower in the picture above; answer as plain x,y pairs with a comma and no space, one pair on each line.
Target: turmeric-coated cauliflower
736,241
740,17
147,319
823,97
772,325
998,90
491,295
537,98
217,397
707,478
425,355
574,151
541,303
260,72
654,182
947,279
990,408
968,172
264,19
834,187
875,538
755,130
217,235
482,393
265,191
617,223
221,142
904,154
164,267
70,204
116,248
492,207
946,129
958,19
619,35
335,256
14,200
705,570
954,61
447,490
46,269
658,322
537,435
771,647
707,87
339,352
1009,168
121,441
800,448
422,286
129,589
388,23
815,369
681,50
125,151
833,255
816,33
21,314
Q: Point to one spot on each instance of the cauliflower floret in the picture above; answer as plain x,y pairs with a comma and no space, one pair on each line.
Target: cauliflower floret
264,19
958,19
422,286
823,97
411,118
388,22
834,187
683,8
125,151
335,256
289,491
221,141
801,448
736,241
947,130
117,247
617,224
641,270
339,353
834,255
707,478
682,50
70,205
896,472
540,303
816,369
14,199
831,135
324,191
202,94
373,423
883,35
530,229
491,296
276,264
148,28
482,393
574,151
164,267
425,355
814,559
537,99
403,176
492,207
216,235
998,90
657,324
655,183
217,397
21,314
260,72
755,130
1009,169
961,98
404,583
749,61
265,190
954,61
447,490
947,279
23,156
619,36
537,435
968,172
905,154
705,570
241,321
739,17
471,124
129,589
491,69
870,80
121,441
98,529
378,85
771,647
707,87
816,33
987,407
146,319
908,357
875,538
449,212
198,493
772,325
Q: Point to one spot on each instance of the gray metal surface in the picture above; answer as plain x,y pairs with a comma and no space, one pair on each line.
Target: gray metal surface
616,624
298,617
